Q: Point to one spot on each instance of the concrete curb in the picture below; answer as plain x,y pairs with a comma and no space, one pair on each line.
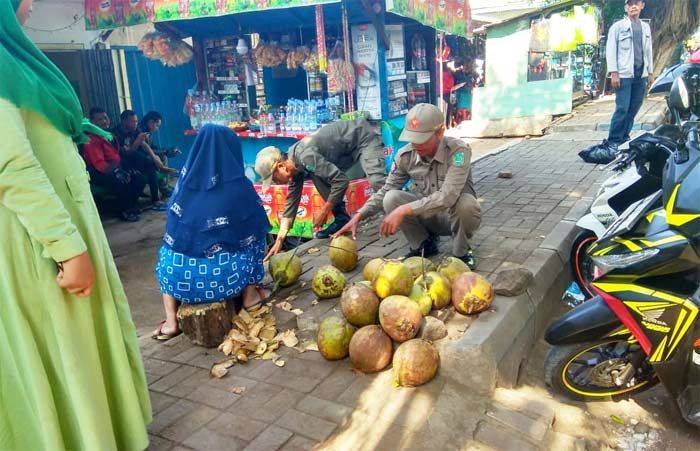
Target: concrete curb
491,351
649,124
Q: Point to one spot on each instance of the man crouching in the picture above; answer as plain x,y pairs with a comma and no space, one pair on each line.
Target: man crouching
440,200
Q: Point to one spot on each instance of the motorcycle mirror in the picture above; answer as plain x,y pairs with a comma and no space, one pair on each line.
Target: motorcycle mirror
679,98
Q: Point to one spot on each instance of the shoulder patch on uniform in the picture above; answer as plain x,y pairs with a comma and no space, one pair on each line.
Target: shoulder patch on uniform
310,167
458,159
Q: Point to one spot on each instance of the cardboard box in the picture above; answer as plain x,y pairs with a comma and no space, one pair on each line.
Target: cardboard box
273,201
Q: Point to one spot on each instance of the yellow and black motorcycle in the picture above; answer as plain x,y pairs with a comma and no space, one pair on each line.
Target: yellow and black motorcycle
643,325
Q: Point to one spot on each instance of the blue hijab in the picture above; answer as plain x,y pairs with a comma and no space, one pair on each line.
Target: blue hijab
214,206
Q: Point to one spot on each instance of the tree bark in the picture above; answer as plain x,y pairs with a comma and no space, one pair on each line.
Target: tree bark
206,324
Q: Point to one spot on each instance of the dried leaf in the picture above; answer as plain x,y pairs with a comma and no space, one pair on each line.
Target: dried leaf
270,320
227,347
313,250
237,390
273,345
241,325
255,330
289,338
309,345
245,316
291,298
242,356
279,362
268,333
261,348
284,305
297,311
220,369
250,346
303,284
237,335
269,355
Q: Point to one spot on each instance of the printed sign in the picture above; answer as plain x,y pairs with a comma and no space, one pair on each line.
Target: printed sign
274,198
365,57
450,16
103,14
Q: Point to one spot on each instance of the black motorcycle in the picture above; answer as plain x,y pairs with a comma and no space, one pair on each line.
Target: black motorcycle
642,327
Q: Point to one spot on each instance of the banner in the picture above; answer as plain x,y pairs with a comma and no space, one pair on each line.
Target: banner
365,57
104,14
450,16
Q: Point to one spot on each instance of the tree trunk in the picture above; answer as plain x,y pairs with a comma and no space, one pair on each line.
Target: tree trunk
671,23
206,324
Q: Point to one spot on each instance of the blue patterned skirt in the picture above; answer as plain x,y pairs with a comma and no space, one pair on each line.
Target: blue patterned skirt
222,276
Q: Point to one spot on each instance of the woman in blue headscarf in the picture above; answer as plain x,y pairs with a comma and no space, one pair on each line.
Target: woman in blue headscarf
215,235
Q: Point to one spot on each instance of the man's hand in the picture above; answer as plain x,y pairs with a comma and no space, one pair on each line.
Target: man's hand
285,225
321,215
351,227
650,81
76,275
615,80
141,138
392,221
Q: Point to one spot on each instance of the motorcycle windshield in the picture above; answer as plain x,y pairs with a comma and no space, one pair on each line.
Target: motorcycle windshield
664,81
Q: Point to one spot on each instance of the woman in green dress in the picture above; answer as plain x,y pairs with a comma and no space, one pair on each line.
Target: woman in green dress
71,376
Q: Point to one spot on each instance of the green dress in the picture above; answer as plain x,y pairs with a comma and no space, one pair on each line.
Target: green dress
71,375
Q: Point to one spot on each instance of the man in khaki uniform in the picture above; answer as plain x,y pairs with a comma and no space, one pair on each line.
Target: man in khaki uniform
440,200
330,157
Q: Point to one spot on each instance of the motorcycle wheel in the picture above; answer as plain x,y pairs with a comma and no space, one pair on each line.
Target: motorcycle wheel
581,263
585,371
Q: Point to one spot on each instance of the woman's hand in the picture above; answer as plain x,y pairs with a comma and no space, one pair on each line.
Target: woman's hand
274,249
76,275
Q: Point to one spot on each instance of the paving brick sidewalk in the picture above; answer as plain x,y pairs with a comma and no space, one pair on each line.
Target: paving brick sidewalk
309,400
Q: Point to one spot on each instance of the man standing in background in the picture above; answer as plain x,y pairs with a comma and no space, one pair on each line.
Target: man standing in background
630,65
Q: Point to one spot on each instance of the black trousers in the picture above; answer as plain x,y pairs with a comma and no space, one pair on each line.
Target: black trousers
127,194
138,161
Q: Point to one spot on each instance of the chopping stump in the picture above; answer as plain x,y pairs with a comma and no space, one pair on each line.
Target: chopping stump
206,324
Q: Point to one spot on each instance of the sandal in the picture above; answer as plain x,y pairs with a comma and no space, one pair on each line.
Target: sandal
160,336
160,206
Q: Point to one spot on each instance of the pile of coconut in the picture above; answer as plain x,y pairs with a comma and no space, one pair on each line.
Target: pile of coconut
387,306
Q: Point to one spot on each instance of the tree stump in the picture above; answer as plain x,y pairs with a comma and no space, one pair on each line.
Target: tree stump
206,324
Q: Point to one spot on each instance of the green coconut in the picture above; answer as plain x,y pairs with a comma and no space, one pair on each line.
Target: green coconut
343,253
393,279
328,282
437,287
285,268
333,338
360,305
417,265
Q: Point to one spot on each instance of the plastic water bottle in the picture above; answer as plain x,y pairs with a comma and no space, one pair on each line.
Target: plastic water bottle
573,296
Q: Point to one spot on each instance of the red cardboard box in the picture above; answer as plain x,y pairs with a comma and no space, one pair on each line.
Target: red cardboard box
273,201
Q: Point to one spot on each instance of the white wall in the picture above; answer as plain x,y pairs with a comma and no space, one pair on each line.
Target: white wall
53,14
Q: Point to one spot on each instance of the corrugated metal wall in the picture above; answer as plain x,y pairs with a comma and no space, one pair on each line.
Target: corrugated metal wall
153,86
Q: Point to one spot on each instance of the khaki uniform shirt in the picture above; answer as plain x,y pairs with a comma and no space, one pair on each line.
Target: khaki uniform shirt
326,155
441,180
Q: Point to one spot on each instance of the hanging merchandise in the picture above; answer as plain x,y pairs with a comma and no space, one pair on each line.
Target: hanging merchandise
297,57
311,63
270,55
341,74
168,50
539,36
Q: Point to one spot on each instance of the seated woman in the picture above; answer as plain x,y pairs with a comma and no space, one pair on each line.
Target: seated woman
150,123
214,243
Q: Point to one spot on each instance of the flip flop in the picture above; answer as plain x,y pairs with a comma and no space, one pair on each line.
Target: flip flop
166,337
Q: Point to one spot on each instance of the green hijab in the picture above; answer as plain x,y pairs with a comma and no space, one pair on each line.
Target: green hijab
30,81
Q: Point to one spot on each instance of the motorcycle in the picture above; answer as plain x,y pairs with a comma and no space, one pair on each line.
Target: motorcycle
636,174
642,326
633,178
